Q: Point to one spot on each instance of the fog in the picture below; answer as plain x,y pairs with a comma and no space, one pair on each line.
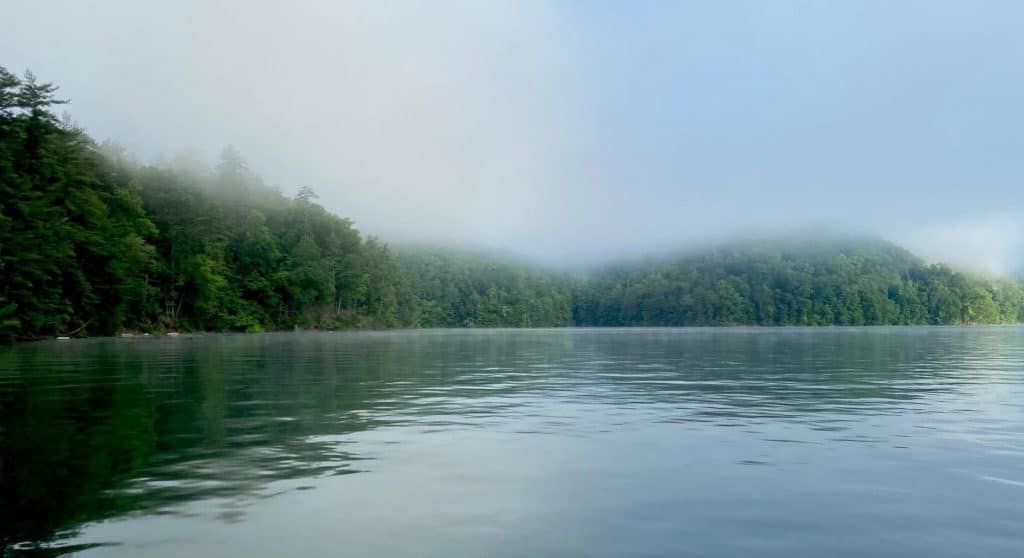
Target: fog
573,132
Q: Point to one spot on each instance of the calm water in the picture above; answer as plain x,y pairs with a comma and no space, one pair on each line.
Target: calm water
708,442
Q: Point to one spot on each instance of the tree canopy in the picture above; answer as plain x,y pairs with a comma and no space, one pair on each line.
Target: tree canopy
830,280
94,243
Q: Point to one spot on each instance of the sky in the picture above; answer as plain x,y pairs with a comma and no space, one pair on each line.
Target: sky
574,131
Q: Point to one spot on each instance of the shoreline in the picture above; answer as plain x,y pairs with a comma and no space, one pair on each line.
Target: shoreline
734,327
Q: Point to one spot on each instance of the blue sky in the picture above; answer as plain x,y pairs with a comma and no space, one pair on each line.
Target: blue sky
576,131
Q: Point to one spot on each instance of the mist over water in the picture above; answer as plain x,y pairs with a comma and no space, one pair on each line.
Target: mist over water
574,133
780,442
578,171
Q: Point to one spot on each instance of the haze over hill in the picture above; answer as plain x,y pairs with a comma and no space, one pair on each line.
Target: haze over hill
95,243
574,132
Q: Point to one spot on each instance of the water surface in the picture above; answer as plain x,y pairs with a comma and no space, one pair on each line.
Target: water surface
664,442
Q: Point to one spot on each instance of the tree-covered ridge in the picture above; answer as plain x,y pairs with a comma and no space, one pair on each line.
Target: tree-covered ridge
463,289
795,281
93,243
74,255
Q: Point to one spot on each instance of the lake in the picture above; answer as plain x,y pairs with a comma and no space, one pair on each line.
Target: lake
904,441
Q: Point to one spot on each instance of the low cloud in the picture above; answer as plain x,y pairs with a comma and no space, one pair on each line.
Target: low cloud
571,132
993,244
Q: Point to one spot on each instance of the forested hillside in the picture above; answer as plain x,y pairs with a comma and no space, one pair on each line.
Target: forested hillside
94,243
830,280
463,289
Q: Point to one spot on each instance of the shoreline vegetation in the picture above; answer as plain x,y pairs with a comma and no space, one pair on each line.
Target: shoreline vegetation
400,329
93,243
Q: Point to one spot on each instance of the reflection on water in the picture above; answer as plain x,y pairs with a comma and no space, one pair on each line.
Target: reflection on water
886,441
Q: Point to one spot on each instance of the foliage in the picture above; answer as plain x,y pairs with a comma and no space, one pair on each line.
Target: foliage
794,281
450,289
91,242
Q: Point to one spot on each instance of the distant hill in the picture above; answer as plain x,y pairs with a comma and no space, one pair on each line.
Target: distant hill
459,288
94,243
794,280
806,279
